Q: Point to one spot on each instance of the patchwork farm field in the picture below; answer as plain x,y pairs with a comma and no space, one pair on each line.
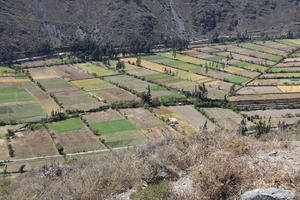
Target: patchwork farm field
30,144
115,129
188,119
90,106
96,69
68,95
287,116
140,86
23,101
225,118
75,137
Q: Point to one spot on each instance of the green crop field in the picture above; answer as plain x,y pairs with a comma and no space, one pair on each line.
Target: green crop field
113,126
23,112
275,69
236,79
172,63
124,138
157,88
67,125
14,94
274,58
215,58
250,66
180,65
152,57
294,55
6,69
172,98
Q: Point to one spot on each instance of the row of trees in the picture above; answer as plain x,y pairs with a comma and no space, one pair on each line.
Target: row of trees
91,50
245,36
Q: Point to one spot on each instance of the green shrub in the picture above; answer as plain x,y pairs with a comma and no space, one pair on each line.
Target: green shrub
59,148
153,192
11,150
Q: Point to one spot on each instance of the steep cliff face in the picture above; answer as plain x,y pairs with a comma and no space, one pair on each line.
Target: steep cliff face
24,23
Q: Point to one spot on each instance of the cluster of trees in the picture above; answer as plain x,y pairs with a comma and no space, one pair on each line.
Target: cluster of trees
7,57
200,92
120,65
90,50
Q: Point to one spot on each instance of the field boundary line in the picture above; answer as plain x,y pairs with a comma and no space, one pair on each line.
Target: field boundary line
29,160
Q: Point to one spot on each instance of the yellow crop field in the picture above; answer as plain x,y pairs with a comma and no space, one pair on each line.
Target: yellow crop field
259,67
285,75
292,60
295,41
94,69
292,88
189,59
93,84
43,73
233,69
49,105
225,53
176,72
12,80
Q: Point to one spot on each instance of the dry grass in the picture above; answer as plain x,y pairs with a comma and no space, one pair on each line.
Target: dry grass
223,166
292,88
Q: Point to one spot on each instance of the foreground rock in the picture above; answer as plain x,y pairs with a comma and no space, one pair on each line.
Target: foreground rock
269,194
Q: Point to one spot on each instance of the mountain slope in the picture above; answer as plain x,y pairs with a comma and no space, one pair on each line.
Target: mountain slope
23,23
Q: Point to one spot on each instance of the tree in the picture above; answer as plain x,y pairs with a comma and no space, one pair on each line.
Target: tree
120,65
146,96
200,92
232,90
59,148
11,151
174,53
243,127
21,169
205,126
138,61
262,127
43,47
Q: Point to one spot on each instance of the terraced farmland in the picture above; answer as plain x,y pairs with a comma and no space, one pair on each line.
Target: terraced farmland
91,106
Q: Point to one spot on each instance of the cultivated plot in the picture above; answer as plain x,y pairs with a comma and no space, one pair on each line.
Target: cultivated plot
3,147
259,90
23,101
96,69
74,136
71,73
30,144
225,118
115,129
70,96
288,116
140,86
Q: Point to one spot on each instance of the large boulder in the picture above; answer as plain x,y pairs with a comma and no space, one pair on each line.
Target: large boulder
269,194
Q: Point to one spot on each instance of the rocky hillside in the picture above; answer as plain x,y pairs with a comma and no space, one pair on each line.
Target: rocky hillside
25,22
204,166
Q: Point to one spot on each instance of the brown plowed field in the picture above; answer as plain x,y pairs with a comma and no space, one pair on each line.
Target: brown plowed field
80,140
259,90
116,95
3,150
103,116
142,118
71,73
33,144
